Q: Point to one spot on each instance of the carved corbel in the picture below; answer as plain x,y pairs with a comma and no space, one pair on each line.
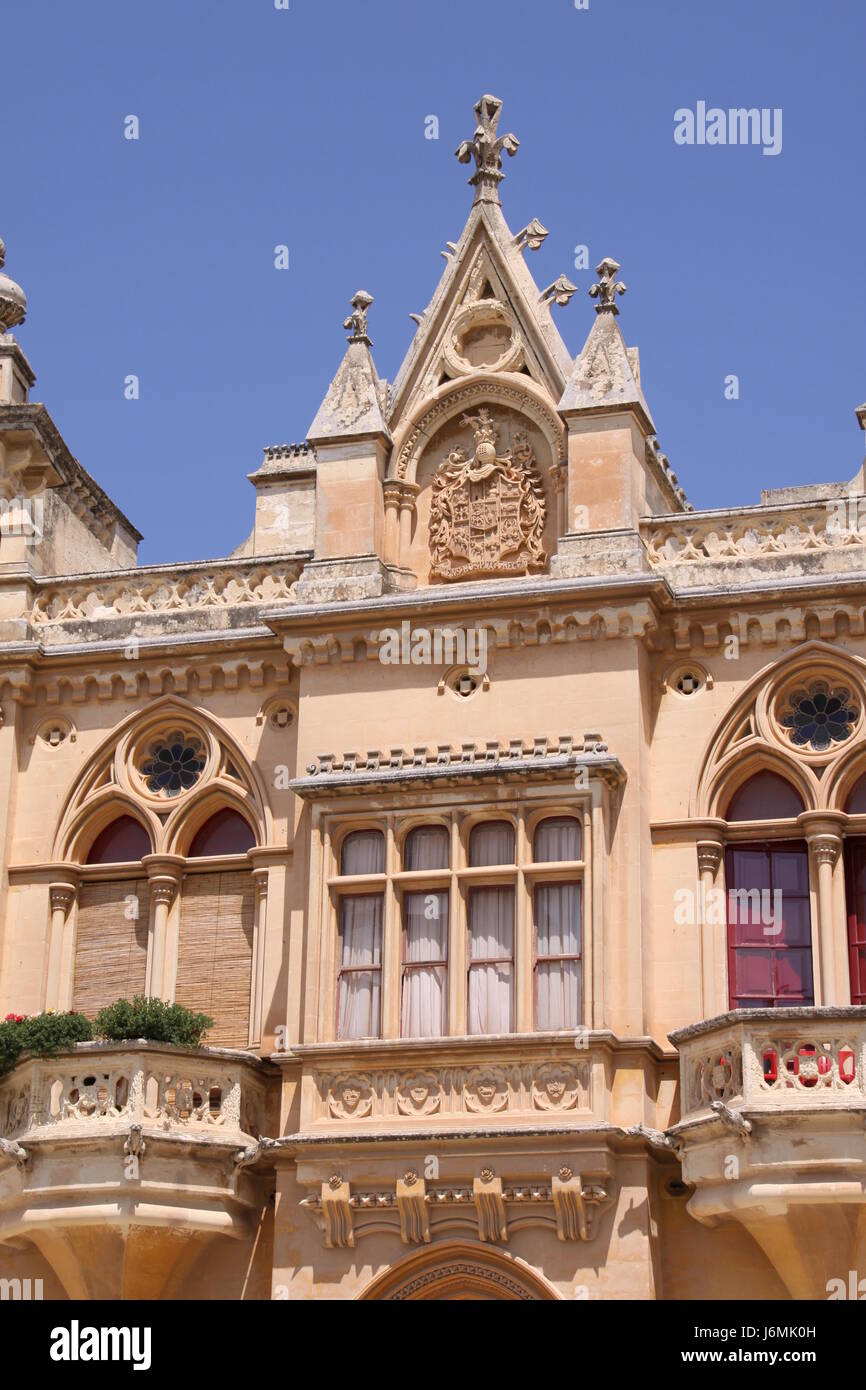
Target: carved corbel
412,1206
337,1214
731,1119
489,1204
577,1205
9,1148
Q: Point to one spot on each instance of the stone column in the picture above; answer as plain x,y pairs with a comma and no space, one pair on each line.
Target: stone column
824,850
257,975
709,859
407,511
164,874
62,896
392,492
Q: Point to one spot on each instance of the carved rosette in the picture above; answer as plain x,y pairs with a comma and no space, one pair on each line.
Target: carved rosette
487,512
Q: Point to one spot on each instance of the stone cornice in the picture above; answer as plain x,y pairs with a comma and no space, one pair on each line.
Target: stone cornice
446,765
81,490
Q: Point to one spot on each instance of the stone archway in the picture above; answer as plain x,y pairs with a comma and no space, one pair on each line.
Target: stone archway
458,1273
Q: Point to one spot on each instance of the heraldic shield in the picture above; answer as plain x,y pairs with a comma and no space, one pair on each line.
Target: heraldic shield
487,514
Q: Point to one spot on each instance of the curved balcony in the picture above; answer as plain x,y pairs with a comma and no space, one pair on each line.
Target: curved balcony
771,1135
106,1146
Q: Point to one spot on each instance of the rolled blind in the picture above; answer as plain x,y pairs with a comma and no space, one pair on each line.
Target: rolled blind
110,943
215,952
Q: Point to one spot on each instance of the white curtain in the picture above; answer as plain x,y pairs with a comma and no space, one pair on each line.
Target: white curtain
360,989
557,838
491,937
425,923
491,842
363,853
558,933
427,847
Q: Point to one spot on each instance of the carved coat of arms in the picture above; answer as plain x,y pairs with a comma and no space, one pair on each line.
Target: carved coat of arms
487,512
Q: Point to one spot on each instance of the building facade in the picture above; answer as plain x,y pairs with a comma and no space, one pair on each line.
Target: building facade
507,815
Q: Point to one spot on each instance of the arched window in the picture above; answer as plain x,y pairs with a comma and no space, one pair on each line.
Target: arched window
359,984
856,803
491,932
769,909
123,841
226,832
111,929
557,917
766,796
855,893
215,940
424,993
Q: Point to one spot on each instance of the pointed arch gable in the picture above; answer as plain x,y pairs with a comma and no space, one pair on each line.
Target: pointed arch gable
731,756
90,799
517,393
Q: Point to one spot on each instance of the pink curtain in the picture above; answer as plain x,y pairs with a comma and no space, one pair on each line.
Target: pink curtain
558,933
360,989
427,847
491,968
425,984
557,838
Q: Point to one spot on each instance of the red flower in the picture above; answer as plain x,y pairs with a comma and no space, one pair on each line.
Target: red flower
14,1018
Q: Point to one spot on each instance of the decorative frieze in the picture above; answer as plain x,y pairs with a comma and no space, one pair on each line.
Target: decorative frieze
490,1091
746,535
176,589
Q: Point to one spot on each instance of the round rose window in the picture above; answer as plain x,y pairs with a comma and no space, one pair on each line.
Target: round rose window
819,716
174,765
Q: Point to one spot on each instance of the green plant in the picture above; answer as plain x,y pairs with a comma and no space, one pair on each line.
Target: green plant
41,1035
153,1020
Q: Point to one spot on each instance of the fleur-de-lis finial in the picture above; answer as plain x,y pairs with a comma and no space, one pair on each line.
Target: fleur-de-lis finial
357,320
606,290
486,148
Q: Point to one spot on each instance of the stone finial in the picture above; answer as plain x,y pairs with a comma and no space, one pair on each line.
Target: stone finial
860,412
357,320
486,148
531,236
606,291
13,301
560,292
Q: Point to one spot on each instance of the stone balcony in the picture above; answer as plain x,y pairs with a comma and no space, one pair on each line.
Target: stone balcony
773,1103
407,1139
106,1146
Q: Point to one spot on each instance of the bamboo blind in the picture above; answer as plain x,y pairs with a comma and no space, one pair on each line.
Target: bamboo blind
215,953
110,943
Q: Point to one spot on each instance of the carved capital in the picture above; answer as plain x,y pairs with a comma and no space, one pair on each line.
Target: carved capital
163,889
260,879
709,857
825,849
62,897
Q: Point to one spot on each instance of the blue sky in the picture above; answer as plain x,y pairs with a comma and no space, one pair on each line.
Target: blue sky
305,127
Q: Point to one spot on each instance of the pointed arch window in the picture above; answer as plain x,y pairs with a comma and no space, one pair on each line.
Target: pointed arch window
226,832
122,841
768,902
